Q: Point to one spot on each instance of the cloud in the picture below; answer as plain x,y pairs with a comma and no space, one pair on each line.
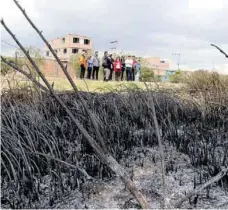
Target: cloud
146,27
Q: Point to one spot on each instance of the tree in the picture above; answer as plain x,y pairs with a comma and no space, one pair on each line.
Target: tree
177,77
22,61
36,54
147,74
74,61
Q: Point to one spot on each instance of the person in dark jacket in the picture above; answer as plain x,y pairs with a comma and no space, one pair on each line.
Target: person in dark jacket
112,67
107,65
123,67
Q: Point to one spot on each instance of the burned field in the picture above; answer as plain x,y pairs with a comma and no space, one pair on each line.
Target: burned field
45,158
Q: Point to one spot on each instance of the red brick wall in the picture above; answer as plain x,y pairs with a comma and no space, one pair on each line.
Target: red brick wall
51,68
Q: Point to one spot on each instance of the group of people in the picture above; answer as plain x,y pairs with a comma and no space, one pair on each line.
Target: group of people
92,64
117,66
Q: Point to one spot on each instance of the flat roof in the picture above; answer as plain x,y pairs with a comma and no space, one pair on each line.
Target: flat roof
60,37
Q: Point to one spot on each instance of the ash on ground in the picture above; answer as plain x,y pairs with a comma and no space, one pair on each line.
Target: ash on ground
145,170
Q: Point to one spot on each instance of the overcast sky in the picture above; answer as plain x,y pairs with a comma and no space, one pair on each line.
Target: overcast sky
143,27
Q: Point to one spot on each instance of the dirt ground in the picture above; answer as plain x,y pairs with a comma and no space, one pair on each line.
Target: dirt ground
145,169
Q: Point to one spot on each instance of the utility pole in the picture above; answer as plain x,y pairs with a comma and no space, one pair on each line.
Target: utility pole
113,49
114,43
178,63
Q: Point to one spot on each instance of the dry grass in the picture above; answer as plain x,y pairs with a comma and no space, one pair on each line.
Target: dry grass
62,84
206,81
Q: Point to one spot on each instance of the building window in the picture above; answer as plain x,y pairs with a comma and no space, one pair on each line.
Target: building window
47,53
86,41
75,40
63,40
74,50
65,51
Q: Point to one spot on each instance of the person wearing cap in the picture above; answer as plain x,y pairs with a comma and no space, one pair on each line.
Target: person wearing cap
83,63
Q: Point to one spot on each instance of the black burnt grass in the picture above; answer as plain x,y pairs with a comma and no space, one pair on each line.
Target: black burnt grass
31,126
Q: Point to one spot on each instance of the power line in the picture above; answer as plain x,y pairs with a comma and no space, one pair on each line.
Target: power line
5,42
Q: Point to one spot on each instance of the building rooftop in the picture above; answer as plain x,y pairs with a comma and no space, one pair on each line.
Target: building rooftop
77,35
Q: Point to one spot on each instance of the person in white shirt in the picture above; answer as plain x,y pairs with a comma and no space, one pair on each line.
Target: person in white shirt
129,65
96,66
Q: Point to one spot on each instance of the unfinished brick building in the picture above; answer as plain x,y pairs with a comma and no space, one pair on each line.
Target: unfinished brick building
65,47
69,45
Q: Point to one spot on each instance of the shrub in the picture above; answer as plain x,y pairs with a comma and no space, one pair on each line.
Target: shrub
147,74
207,81
5,69
177,77
74,60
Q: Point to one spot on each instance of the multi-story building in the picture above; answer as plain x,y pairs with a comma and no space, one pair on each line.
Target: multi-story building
157,65
69,45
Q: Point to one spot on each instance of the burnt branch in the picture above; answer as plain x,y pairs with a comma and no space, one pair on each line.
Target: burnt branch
216,178
151,106
220,50
65,163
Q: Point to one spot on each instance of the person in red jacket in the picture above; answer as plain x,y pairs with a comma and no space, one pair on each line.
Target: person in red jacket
117,68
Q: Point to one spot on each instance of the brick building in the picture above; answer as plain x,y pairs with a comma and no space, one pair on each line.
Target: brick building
65,47
69,45
159,66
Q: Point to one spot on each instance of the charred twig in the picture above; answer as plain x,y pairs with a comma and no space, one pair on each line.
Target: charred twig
216,178
213,45
65,163
29,76
161,151
91,116
103,155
